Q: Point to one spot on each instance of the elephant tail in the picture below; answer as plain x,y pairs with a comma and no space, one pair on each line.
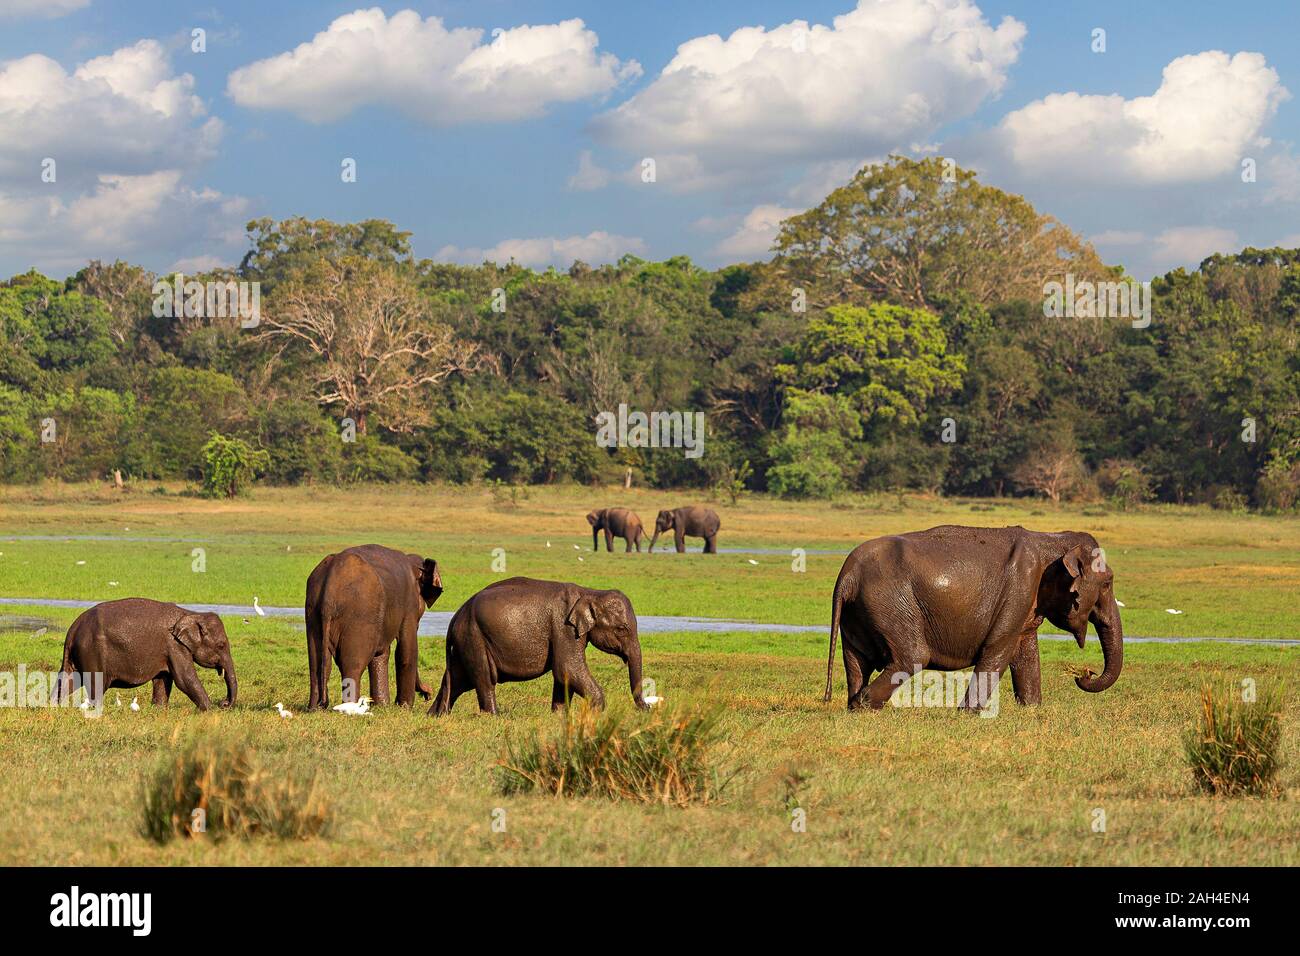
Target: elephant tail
837,602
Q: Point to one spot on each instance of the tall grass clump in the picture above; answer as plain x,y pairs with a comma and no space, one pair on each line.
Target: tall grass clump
662,757
1232,748
238,796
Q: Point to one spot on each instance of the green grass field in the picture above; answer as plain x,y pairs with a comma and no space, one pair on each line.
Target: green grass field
899,786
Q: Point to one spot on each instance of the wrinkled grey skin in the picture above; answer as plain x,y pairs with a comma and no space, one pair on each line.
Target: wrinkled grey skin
696,521
616,523
359,602
952,597
135,640
520,628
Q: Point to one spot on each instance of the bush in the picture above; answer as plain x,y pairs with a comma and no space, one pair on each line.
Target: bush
1232,749
1125,483
663,759
1278,487
1228,499
239,797
230,465
369,459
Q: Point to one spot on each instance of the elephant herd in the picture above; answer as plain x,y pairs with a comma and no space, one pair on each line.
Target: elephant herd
944,599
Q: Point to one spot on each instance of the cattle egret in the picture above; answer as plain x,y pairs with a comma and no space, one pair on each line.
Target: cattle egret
548,544
580,559
285,714
112,584
355,708
575,548
257,607
119,700
1121,604
752,561
1170,610
135,703
81,562
653,699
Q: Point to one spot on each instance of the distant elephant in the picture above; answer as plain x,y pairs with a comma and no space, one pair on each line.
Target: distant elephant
952,597
358,602
616,523
696,521
520,628
133,641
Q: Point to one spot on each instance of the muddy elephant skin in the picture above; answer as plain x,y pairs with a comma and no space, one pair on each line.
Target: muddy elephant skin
616,523
520,628
359,602
133,641
695,521
954,597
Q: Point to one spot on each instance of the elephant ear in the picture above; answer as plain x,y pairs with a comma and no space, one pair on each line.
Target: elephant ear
582,616
430,581
593,518
188,631
1072,561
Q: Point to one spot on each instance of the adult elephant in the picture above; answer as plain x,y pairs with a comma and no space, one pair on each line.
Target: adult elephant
520,628
133,641
616,523
696,521
955,597
359,602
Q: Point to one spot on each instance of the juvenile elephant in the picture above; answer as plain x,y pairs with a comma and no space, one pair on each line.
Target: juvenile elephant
952,597
695,520
358,602
616,523
135,640
520,628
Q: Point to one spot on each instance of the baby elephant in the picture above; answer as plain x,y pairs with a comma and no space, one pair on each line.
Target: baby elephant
696,521
616,523
135,640
521,628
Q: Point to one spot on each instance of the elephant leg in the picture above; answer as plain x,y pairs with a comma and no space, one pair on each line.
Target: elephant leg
162,690
1026,672
313,665
856,674
323,661
711,544
188,681
985,677
378,675
679,540
884,684
408,664
627,540
454,683
486,692
609,541
580,682
559,693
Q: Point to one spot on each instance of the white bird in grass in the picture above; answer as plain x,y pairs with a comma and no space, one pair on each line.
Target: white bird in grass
257,607
653,699
119,700
548,544
355,708
286,714
576,548
752,561
135,704
85,702
81,562
1121,604
579,559
1170,610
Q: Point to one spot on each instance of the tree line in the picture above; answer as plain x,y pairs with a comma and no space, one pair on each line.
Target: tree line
896,338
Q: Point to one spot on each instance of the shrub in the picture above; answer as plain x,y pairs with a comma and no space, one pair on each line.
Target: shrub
1125,483
1228,499
230,465
1232,748
661,759
239,797
1278,487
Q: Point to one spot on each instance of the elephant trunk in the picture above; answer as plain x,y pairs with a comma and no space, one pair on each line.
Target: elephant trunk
634,673
1110,631
595,538
227,670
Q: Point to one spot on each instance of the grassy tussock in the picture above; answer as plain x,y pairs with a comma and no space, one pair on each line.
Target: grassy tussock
238,796
1233,748
661,757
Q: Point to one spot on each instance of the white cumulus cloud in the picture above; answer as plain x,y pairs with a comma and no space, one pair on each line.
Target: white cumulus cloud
435,75
753,239
886,73
594,248
1207,115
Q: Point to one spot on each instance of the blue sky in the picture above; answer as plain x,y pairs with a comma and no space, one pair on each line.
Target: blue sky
163,154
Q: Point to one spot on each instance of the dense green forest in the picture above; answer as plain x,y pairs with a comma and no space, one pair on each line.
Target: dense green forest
895,339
